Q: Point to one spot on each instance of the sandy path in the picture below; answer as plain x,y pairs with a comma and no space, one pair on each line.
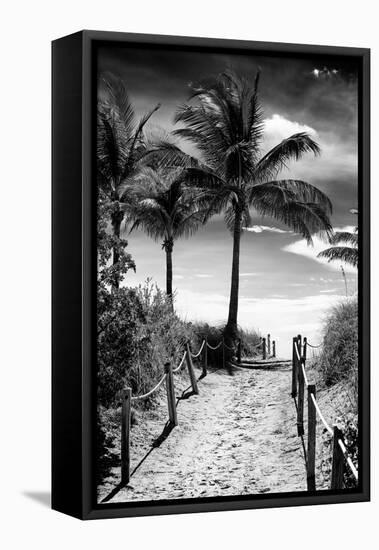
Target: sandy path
238,436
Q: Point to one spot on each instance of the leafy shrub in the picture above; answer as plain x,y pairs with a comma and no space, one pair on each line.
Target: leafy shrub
250,339
214,334
106,456
350,431
339,356
338,363
137,334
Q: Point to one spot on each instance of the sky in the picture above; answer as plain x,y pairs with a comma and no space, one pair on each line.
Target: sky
284,288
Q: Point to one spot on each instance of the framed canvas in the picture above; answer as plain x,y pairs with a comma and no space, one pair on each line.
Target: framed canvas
210,275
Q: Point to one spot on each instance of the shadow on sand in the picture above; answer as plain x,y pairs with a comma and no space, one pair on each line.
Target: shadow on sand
186,394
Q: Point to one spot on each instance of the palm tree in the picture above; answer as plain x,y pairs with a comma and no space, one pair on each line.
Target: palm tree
344,253
160,204
226,125
120,146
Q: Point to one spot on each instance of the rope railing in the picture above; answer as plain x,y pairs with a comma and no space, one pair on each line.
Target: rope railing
229,348
348,459
216,347
321,416
149,393
313,346
297,353
194,355
304,374
258,345
178,368
340,453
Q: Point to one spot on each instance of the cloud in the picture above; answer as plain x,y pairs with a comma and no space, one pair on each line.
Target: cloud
339,156
249,274
328,291
301,248
204,275
261,228
278,128
348,228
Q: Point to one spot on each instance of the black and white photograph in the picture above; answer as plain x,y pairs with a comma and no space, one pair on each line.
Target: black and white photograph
188,320
227,188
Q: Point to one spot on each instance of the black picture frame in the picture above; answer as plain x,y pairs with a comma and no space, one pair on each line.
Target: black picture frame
74,269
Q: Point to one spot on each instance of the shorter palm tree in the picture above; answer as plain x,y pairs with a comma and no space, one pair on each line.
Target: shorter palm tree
120,147
345,246
344,253
159,203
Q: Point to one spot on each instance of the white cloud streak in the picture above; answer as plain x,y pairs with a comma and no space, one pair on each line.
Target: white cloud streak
262,228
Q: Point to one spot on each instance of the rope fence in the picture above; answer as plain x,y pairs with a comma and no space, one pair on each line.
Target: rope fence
313,346
340,456
178,368
216,347
149,393
194,355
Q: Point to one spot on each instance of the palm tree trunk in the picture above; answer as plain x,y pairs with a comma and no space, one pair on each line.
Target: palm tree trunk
231,326
117,217
168,246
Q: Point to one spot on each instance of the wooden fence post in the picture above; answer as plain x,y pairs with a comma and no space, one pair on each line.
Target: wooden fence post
268,345
305,342
191,372
239,351
171,399
294,368
311,454
125,435
263,348
300,400
299,343
273,348
338,461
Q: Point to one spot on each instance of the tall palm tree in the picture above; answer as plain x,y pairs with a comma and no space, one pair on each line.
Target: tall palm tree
226,125
344,253
120,146
160,204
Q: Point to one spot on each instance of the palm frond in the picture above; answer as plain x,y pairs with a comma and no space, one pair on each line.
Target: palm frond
341,253
292,148
111,145
119,97
206,131
167,154
189,224
344,237
294,190
304,218
255,116
134,155
204,178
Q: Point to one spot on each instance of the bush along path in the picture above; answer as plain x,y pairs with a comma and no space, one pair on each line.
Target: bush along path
238,436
